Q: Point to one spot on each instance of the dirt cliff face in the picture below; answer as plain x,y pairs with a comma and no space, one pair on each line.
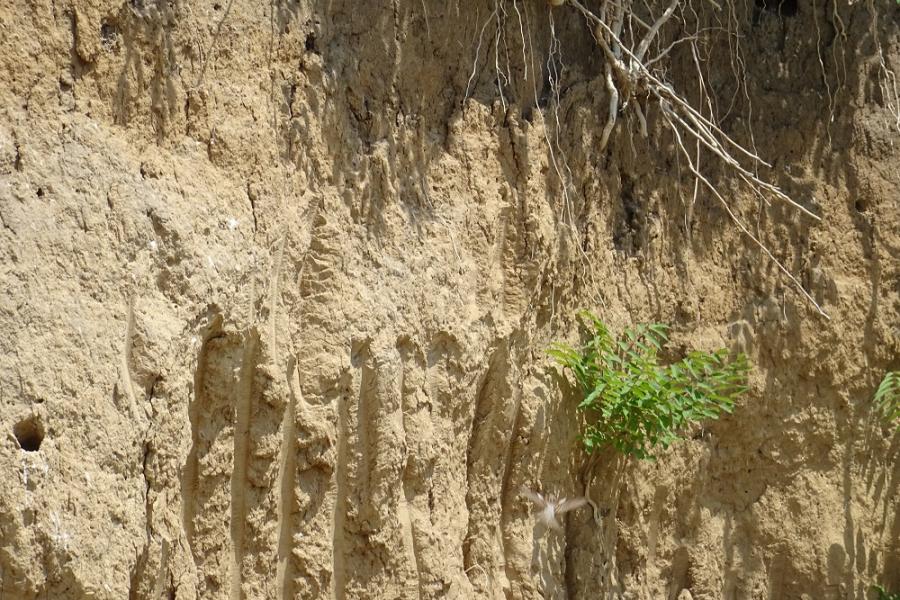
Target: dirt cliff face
278,279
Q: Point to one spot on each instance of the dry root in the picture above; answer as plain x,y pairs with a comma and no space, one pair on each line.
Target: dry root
633,80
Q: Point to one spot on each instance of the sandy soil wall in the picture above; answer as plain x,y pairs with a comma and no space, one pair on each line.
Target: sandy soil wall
278,279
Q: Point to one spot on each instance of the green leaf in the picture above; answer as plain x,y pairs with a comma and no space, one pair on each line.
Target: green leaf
887,398
636,404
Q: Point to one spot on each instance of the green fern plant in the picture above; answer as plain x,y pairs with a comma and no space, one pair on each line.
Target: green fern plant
887,397
636,404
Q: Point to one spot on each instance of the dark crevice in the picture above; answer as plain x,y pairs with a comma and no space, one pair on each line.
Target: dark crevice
147,451
29,434
6,225
629,227
109,35
570,576
311,43
783,8
252,197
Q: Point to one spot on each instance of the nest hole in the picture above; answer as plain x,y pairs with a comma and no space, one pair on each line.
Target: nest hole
29,433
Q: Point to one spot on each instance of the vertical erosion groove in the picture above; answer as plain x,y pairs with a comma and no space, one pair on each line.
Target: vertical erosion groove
474,445
163,568
505,478
242,410
417,442
190,471
487,461
338,536
189,477
287,468
387,505
125,367
446,485
409,543
366,444
404,496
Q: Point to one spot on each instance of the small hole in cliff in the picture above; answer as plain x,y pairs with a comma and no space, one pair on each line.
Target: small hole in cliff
861,205
528,114
311,43
40,192
628,234
29,433
217,6
785,8
108,34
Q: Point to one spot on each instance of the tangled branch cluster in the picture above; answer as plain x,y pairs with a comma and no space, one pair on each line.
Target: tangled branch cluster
634,80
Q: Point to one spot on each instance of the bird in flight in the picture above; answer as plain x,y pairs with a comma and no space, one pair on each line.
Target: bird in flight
548,508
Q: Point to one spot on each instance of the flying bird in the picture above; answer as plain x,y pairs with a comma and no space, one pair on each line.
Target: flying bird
548,508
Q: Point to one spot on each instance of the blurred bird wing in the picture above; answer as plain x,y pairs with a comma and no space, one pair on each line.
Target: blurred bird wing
567,505
533,496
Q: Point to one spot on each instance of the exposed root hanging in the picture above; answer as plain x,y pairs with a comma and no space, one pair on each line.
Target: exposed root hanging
632,80
635,79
